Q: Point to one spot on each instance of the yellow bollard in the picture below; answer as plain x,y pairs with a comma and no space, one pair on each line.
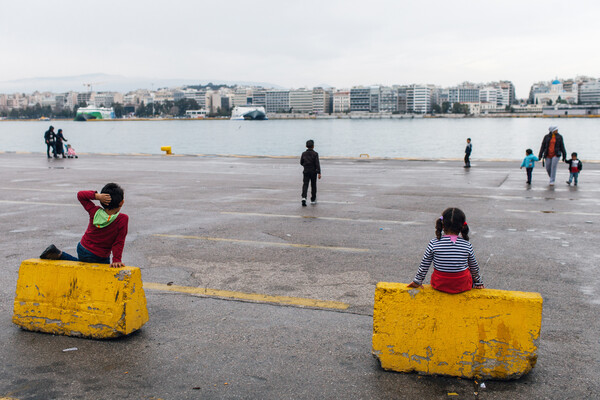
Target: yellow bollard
79,299
363,154
166,149
484,333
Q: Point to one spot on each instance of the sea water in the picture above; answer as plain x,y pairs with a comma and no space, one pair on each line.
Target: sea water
428,138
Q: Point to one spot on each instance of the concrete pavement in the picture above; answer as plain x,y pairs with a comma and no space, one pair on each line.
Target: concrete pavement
235,226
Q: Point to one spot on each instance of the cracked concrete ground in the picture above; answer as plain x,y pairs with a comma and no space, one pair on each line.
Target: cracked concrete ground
237,225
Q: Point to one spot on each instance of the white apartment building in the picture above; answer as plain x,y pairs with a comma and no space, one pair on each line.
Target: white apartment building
589,92
418,99
301,101
489,94
341,101
557,92
277,101
321,101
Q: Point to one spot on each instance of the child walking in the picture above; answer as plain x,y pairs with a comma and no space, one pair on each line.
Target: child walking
312,169
529,164
455,267
575,166
106,231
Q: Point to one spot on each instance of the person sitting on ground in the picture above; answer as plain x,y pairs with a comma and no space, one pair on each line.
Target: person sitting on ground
455,267
71,152
106,231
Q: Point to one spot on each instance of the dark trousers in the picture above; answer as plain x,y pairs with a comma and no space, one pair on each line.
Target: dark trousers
49,146
312,178
467,160
85,256
529,171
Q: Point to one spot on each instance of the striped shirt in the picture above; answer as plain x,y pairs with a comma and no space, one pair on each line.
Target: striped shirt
449,257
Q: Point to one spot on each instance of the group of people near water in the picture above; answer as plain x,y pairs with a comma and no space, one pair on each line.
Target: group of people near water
55,142
551,151
455,268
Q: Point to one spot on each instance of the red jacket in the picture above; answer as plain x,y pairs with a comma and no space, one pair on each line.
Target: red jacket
101,241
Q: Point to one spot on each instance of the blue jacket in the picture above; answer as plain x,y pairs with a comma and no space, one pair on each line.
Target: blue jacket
529,161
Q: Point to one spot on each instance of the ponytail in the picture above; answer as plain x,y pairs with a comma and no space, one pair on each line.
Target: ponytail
438,228
465,231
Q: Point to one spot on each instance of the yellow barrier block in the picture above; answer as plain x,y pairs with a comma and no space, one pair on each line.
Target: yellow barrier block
482,333
166,149
79,299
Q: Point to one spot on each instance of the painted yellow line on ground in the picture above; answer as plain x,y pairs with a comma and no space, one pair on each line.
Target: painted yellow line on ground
37,203
384,221
553,212
254,297
309,246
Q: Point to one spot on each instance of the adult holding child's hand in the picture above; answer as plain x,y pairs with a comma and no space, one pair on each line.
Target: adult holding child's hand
551,151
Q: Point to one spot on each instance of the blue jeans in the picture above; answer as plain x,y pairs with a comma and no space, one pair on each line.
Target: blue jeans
85,256
551,167
573,175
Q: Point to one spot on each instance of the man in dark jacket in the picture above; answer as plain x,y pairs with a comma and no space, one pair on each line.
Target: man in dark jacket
50,138
312,168
468,150
552,150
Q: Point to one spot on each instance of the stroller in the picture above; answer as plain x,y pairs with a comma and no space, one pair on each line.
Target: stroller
70,151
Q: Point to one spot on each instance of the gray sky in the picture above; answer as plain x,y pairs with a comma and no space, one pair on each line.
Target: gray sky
304,43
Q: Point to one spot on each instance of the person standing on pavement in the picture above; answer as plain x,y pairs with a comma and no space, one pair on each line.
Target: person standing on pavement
58,145
312,169
468,150
552,150
50,138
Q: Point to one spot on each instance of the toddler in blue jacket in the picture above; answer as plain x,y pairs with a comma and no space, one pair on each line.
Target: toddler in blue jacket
529,163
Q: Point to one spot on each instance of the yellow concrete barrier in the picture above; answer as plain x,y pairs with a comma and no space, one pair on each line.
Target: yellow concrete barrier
481,333
79,299
166,149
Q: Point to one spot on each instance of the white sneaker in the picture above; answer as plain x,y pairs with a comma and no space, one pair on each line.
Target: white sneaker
313,202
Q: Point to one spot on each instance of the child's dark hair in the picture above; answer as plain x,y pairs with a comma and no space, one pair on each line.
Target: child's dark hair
116,195
528,151
573,154
310,144
452,220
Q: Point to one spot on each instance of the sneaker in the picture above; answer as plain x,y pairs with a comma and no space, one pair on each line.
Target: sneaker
313,202
551,183
575,183
303,202
569,183
51,253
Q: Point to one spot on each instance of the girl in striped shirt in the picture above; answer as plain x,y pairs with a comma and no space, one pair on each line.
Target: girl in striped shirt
455,268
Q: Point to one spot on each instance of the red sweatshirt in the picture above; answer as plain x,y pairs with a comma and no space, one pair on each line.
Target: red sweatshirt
101,241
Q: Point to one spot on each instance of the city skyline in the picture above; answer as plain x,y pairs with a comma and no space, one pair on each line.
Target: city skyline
337,43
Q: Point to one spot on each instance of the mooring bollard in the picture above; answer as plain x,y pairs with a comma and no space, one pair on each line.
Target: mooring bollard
166,149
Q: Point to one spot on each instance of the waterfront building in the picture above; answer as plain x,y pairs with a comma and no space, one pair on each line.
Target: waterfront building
103,99
360,99
402,108
388,100
418,99
258,97
465,93
364,99
301,101
557,93
489,94
87,98
3,101
507,91
321,101
242,96
277,101
197,114
589,92
341,101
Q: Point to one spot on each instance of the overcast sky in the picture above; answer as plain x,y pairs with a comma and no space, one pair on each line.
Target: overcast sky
304,43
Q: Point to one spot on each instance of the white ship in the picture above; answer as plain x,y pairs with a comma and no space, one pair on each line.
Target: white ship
91,112
248,113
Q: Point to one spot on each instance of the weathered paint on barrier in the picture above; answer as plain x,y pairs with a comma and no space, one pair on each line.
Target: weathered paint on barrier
79,299
484,333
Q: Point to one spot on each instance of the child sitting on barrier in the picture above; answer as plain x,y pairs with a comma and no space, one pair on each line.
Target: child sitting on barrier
106,231
455,268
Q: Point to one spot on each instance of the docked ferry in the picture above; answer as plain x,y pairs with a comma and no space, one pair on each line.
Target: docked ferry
248,113
91,112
